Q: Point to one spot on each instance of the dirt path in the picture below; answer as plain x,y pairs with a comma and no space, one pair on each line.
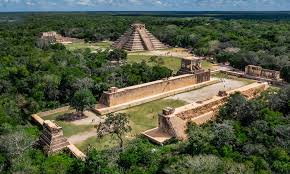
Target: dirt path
169,53
91,119
78,138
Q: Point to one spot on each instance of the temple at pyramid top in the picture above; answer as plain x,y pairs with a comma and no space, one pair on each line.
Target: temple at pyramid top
138,38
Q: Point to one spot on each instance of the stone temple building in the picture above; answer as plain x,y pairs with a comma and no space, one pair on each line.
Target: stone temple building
190,66
138,38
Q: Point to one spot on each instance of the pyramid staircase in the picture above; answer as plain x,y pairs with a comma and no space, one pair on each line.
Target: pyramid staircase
138,38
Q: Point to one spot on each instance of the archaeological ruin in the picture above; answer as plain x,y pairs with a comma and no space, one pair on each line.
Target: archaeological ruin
192,77
190,66
53,37
117,99
52,139
263,73
172,123
138,38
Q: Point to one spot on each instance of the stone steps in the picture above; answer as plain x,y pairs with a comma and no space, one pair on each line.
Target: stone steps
138,39
52,139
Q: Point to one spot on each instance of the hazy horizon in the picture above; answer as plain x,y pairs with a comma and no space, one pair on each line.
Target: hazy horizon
202,11
142,5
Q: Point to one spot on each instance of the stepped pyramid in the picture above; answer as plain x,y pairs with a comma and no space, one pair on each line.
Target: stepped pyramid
138,38
52,139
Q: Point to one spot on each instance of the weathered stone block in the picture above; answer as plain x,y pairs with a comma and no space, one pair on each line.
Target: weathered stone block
52,139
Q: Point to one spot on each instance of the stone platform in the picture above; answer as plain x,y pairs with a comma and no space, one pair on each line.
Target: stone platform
157,136
172,123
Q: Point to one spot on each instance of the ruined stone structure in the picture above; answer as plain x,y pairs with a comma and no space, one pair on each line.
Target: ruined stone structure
263,73
52,136
53,37
138,38
173,122
50,37
190,66
52,139
117,96
193,66
116,99
49,34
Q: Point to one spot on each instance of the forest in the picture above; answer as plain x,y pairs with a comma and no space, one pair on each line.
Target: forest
249,136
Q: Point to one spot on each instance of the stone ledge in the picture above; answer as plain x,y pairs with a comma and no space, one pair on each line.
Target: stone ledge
76,152
157,136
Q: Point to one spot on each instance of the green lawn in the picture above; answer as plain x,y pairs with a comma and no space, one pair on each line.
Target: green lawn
53,116
172,63
141,117
68,128
145,116
92,46
104,44
206,65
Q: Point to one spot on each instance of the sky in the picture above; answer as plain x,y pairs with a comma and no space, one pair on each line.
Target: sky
144,5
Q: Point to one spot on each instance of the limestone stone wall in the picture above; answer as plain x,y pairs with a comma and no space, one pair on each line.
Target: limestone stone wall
175,123
124,95
202,76
271,74
260,72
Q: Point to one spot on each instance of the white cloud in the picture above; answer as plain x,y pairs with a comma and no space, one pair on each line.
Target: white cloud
85,2
30,3
136,5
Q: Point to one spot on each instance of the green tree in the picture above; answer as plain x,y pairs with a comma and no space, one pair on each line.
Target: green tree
205,164
239,108
117,55
60,163
96,162
83,99
224,134
199,140
140,153
285,73
116,124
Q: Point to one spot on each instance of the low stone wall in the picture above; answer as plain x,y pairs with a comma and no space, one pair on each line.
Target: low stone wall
38,118
260,72
241,74
125,95
173,122
76,152
54,111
